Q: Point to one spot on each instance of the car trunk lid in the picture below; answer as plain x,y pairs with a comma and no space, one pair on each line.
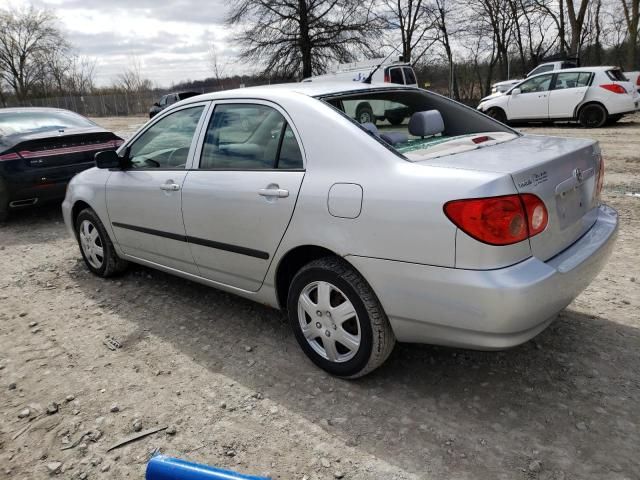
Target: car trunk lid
71,146
562,172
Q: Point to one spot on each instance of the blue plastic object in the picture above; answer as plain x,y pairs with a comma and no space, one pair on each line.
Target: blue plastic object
162,467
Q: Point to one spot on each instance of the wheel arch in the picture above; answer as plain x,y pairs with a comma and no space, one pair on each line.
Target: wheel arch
576,112
78,206
291,262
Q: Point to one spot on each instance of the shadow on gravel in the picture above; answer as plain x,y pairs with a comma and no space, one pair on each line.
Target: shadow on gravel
33,225
557,398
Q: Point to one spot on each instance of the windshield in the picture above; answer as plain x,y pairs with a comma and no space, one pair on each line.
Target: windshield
20,122
414,120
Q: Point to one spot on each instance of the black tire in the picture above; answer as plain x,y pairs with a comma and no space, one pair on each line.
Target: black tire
395,120
592,115
376,337
111,264
497,114
4,201
364,113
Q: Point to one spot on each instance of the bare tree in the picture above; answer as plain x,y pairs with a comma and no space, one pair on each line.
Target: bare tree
631,10
302,37
131,80
27,39
576,22
410,18
218,66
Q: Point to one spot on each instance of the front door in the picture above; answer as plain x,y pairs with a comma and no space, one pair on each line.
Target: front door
144,201
533,100
238,202
568,91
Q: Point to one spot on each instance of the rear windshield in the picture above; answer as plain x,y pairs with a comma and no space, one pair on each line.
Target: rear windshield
413,120
617,75
15,123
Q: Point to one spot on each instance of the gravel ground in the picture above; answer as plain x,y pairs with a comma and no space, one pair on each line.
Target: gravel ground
229,381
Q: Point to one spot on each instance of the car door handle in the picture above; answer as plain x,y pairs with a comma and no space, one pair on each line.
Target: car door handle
273,192
170,187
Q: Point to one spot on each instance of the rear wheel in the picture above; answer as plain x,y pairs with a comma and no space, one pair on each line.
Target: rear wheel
337,319
95,245
364,113
592,115
497,114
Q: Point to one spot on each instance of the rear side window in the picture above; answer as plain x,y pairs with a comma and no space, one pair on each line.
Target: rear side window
395,76
617,75
249,137
409,76
572,80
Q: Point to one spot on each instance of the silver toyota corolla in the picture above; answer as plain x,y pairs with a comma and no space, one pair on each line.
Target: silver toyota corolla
432,223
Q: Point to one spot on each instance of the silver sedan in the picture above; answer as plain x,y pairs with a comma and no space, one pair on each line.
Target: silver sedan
431,223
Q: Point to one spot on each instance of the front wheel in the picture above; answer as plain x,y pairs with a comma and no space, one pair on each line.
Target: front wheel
95,245
592,116
337,319
497,114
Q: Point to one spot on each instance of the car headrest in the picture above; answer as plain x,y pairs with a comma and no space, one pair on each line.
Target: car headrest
371,128
393,138
426,124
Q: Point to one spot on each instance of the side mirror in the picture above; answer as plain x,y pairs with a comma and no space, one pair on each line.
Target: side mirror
516,91
156,104
108,159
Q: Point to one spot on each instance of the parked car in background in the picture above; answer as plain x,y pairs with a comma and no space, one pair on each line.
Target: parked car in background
450,228
41,149
169,99
499,88
381,71
634,79
593,96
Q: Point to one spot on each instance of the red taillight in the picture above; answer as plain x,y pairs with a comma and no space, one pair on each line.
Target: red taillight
387,79
499,220
118,142
613,87
600,179
9,156
638,80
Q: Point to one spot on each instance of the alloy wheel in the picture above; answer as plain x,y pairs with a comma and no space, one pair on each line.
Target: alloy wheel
329,322
91,244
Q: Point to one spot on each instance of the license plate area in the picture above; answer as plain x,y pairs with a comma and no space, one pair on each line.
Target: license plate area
573,204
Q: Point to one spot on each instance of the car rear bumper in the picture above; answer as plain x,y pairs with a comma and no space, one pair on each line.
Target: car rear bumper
487,309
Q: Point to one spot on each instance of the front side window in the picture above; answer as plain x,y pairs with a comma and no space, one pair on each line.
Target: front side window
537,84
249,137
163,101
166,143
541,69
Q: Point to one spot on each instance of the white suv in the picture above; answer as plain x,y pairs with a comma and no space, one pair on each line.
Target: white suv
592,95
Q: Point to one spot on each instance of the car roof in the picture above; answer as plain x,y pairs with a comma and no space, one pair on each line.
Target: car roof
578,69
310,89
33,109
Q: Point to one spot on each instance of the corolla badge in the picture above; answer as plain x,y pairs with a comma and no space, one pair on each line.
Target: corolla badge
577,174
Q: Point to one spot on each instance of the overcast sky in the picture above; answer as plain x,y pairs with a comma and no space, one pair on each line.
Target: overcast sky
170,38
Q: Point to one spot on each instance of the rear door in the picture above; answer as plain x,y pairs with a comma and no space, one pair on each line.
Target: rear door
144,201
239,199
533,100
568,90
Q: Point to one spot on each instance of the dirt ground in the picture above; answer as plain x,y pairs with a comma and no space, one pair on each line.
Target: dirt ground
228,379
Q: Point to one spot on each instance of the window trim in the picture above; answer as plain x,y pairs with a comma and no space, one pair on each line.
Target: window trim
197,157
163,114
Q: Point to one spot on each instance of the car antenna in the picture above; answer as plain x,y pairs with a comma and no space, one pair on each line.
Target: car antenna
368,79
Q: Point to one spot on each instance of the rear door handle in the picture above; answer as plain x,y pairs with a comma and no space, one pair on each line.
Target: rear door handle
273,192
170,187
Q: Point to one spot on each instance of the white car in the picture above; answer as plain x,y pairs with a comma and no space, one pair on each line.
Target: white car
591,95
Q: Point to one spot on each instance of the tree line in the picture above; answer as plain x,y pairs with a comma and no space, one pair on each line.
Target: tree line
460,47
